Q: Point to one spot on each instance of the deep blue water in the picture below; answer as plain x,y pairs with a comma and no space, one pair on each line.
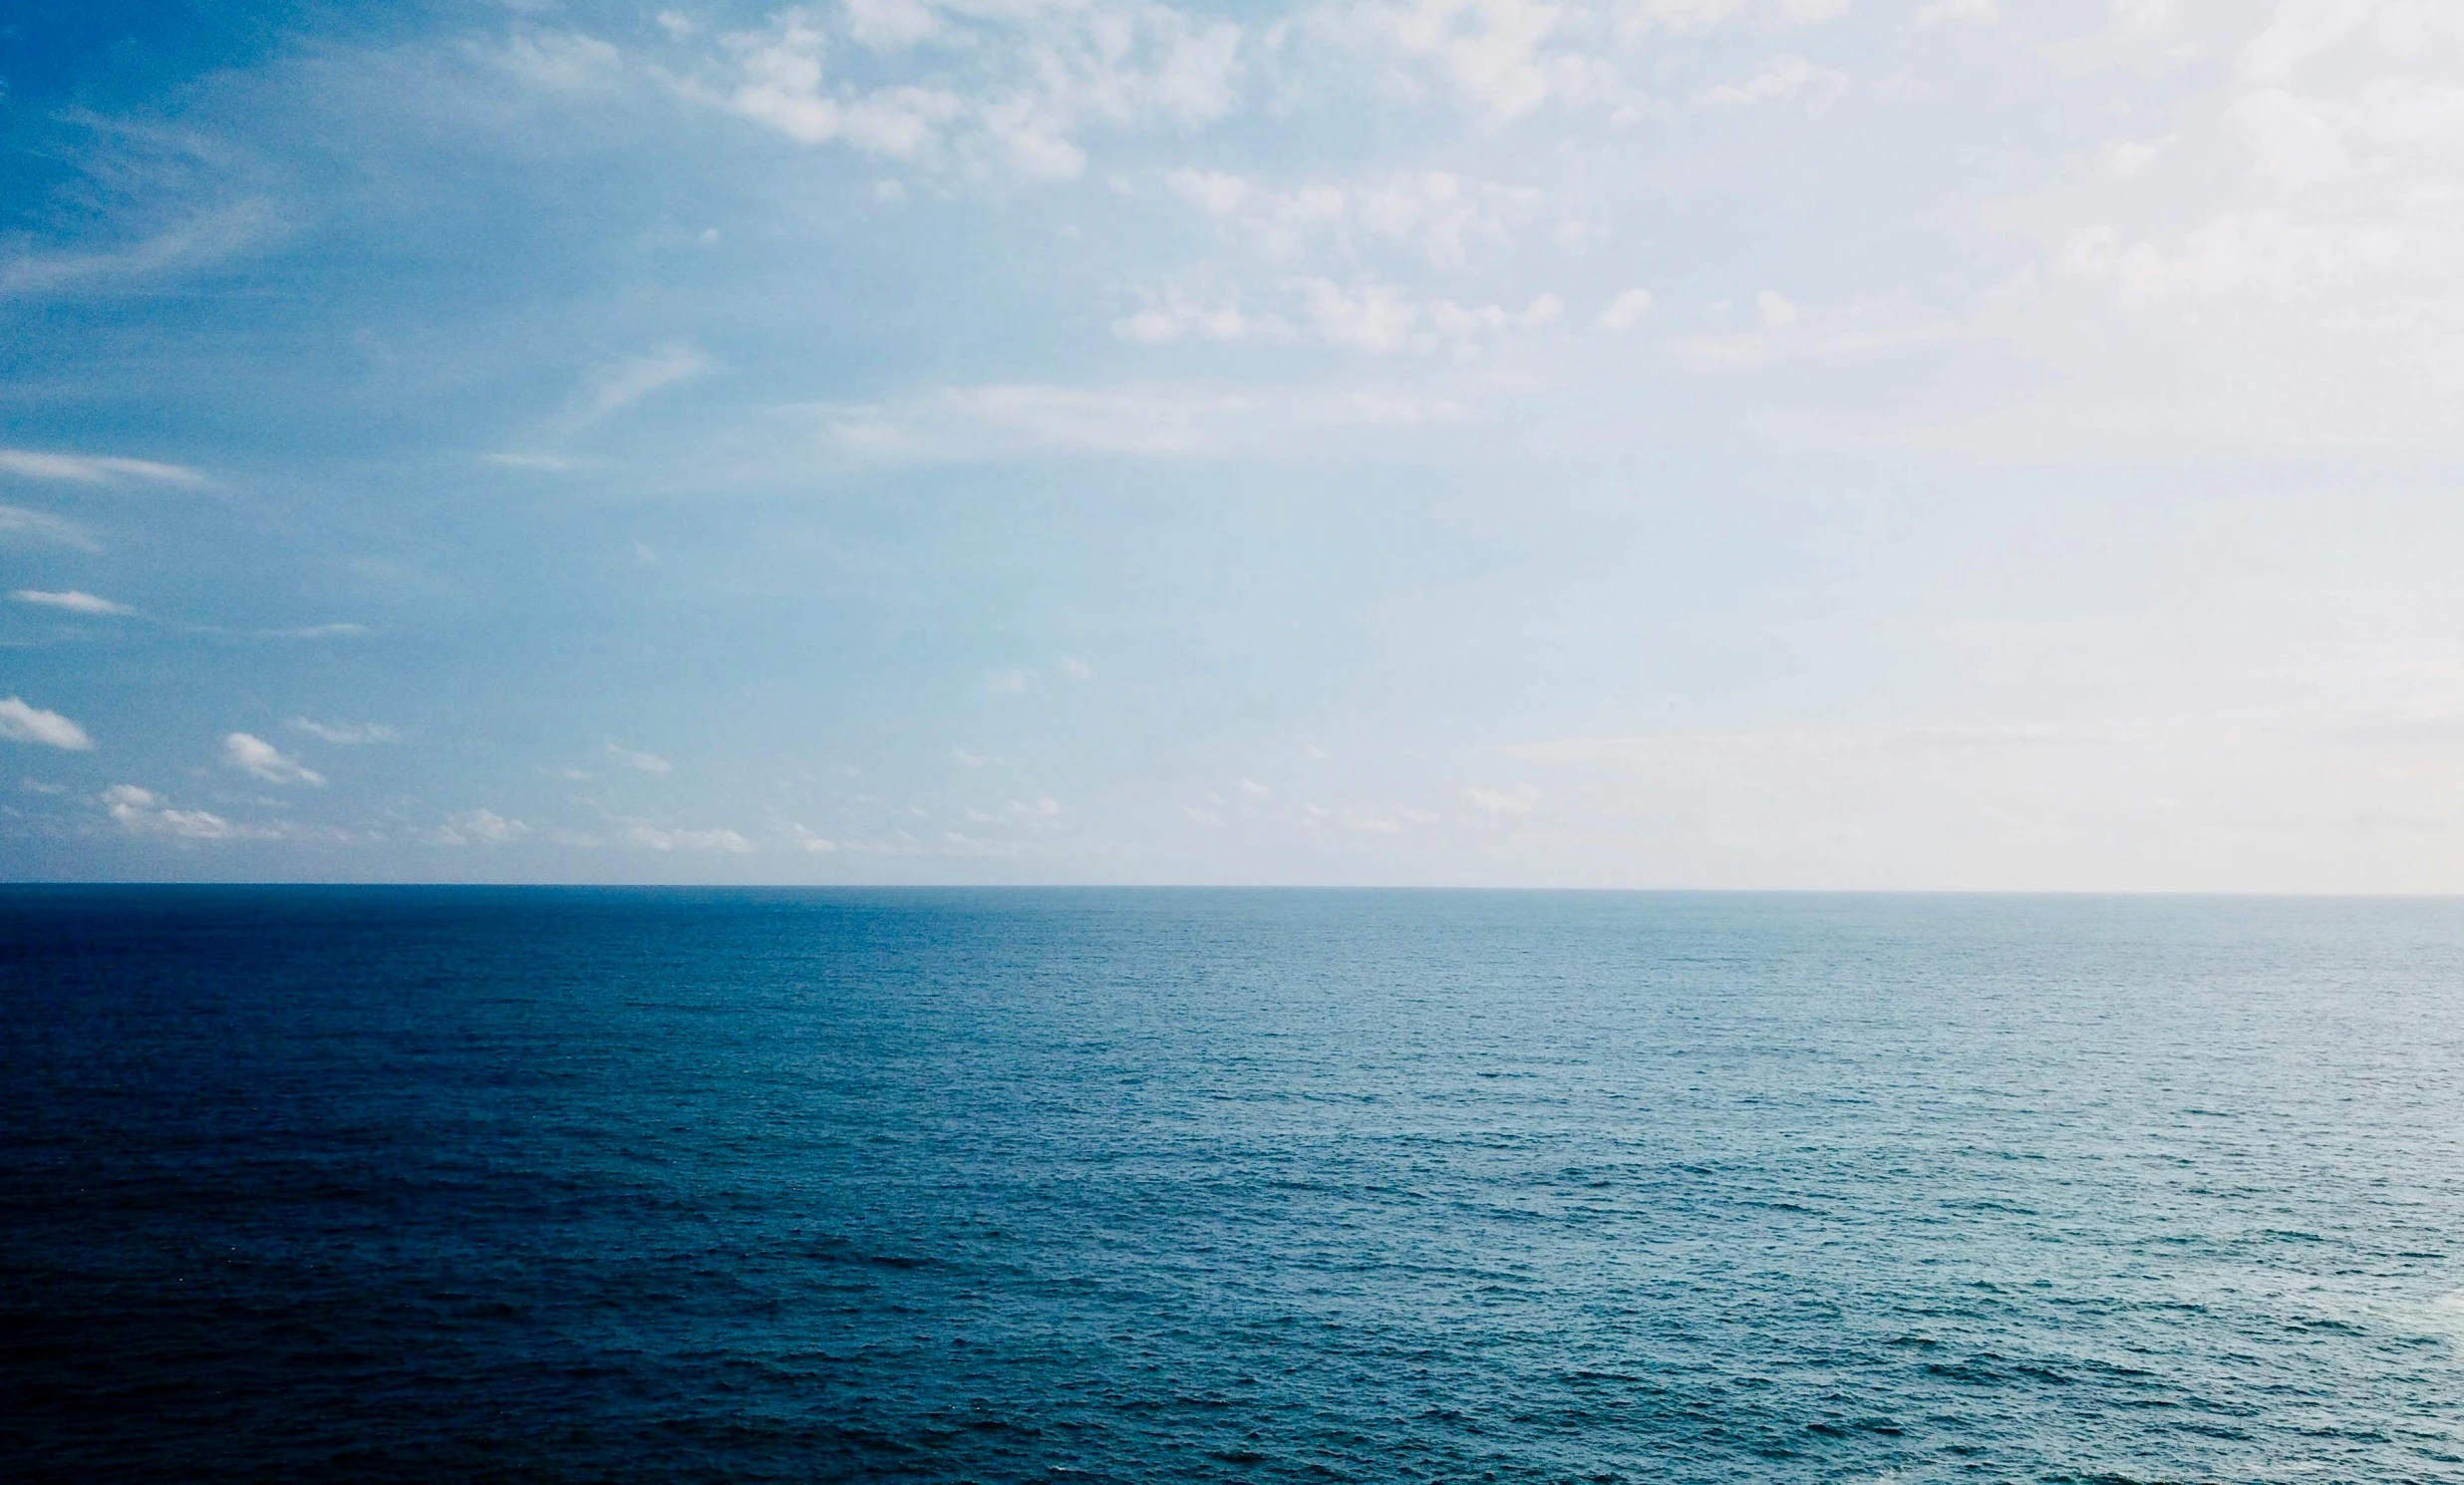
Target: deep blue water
1243,1186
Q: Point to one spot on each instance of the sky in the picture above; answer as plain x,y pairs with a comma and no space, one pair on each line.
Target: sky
1722,443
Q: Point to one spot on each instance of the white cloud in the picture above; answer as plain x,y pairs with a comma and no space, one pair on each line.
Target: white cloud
92,468
1147,420
2303,29
1369,315
1451,223
481,825
1175,313
1521,799
1075,668
544,463
992,88
20,723
647,762
73,600
887,25
1626,310
1971,12
1253,788
1199,816
208,237
1500,57
1369,820
562,61
1011,681
16,520
259,759
779,83
657,839
817,845
143,812
629,381
968,759
1779,78
1775,311
347,733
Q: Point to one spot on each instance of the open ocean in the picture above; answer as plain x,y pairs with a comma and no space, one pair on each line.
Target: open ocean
1228,1186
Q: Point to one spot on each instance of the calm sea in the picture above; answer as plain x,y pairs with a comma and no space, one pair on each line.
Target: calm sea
1233,1186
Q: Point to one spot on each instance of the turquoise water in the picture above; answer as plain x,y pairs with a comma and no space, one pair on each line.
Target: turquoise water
1244,1186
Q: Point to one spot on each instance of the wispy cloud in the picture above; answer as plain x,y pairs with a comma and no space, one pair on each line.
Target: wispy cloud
202,240
21,723
626,381
40,525
347,733
647,762
259,759
73,600
483,825
1520,799
145,812
94,468
716,839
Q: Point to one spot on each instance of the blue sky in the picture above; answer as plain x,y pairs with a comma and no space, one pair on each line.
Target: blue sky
1677,443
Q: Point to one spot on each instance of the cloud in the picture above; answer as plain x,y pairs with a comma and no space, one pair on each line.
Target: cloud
544,463
648,763
484,825
1010,682
75,601
20,723
1451,223
1499,57
259,759
142,811
1779,78
2303,29
1367,821
818,845
347,733
1972,12
1626,310
1198,815
206,239
560,61
1521,799
1075,669
1174,313
309,632
629,381
94,468
1253,788
968,759
687,841
992,89
779,83
1145,421
16,520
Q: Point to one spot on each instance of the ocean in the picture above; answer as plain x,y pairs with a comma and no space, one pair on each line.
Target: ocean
1263,1186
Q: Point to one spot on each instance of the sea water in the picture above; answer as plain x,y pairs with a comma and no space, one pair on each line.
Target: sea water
1230,1186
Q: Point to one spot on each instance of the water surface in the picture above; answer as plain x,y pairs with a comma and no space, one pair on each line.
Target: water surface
1237,1186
